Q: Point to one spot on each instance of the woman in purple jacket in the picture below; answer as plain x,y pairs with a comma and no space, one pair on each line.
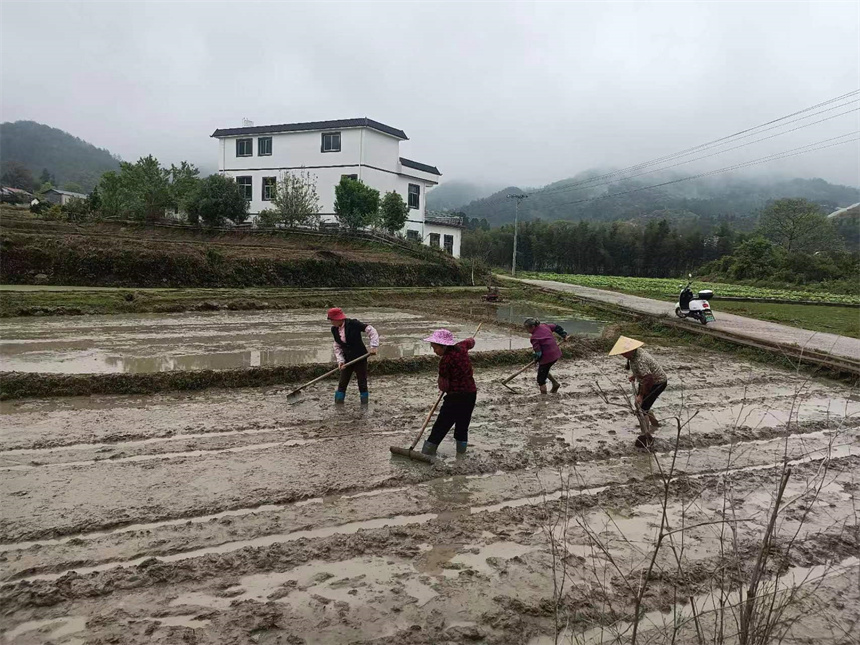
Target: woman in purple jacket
546,350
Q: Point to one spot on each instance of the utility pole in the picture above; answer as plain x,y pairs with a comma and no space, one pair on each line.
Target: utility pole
519,198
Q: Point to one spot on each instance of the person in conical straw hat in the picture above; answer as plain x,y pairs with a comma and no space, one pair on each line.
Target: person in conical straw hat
652,379
457,381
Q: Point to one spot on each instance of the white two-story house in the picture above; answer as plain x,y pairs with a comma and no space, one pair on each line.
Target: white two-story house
364,149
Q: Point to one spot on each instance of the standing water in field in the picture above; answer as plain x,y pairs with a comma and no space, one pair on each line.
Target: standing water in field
572,324
217,340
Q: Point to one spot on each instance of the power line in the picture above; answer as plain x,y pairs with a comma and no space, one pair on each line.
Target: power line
781,155
722,140
681,163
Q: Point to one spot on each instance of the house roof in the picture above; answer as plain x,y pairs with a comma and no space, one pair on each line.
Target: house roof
423,167
311,126
9,189
67,192
444,220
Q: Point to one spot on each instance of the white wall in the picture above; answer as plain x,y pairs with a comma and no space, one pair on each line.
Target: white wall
380,150
368,155
457,233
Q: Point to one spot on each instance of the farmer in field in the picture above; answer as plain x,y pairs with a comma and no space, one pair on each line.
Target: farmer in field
458,383
546,350
348,345
652,379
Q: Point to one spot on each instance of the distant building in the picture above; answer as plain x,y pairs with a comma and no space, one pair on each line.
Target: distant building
256,156
848,210
62,197
14,195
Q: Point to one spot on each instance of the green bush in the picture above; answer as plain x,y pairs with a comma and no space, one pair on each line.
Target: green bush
216,200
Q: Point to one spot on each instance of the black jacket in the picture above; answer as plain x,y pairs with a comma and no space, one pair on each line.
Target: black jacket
354,345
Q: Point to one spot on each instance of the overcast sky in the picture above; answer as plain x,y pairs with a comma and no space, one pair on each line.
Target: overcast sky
501,92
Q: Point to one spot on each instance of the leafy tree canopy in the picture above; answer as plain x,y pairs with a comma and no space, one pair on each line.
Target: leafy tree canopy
356,204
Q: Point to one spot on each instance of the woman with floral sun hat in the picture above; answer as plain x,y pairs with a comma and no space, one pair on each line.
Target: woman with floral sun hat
458,383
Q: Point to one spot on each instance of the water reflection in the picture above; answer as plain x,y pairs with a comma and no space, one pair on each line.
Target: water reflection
517,313
217,340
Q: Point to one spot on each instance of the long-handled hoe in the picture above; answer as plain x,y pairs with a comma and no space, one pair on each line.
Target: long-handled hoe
516,374
410,452
293,397
520,371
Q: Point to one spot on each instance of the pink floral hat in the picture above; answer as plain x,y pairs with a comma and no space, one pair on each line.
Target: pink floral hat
441,337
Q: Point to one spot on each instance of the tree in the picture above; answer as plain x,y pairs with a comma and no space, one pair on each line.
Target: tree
46,177
295,200
17,175
73,187
216,199
183,183
355,203
796,225
393,211
111,196
146,187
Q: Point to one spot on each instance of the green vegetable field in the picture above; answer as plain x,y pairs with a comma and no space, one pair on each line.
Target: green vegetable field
667,288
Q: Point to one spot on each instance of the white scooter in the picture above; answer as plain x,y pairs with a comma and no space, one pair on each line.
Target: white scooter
696,307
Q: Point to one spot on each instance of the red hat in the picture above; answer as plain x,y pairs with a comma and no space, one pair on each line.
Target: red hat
336,313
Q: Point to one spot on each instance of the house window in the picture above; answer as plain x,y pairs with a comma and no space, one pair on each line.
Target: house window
331,142
353,177
434,240
449,244
244,147
412,234
264,146
246,183
268,188
415,197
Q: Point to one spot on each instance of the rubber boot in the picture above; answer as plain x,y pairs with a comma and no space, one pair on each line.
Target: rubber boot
365,397
339,397
429,448
555,384
653,420
542,389
644,441
461,447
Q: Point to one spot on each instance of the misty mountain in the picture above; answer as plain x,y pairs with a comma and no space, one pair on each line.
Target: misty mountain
66,157
733,197
452,195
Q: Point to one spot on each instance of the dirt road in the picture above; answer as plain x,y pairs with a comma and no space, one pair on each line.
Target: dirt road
750,327
231,517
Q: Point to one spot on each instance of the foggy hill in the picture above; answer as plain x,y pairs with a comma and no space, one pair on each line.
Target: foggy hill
66,157
736,197
452,195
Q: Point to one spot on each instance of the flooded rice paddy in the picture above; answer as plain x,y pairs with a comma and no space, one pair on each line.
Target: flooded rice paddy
229,340
228,516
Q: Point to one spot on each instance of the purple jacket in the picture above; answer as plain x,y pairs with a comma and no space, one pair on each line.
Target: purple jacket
543,341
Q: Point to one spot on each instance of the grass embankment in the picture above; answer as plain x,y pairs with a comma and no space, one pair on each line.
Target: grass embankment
132,255
842,320
24,301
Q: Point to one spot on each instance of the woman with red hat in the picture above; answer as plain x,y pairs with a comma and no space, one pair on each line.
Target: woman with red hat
348,345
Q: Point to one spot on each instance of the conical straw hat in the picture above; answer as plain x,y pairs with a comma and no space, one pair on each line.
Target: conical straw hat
624,344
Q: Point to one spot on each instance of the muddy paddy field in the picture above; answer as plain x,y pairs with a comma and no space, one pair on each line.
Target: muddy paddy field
231,516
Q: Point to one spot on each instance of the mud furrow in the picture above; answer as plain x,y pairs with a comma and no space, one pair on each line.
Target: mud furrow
444,498
284,555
